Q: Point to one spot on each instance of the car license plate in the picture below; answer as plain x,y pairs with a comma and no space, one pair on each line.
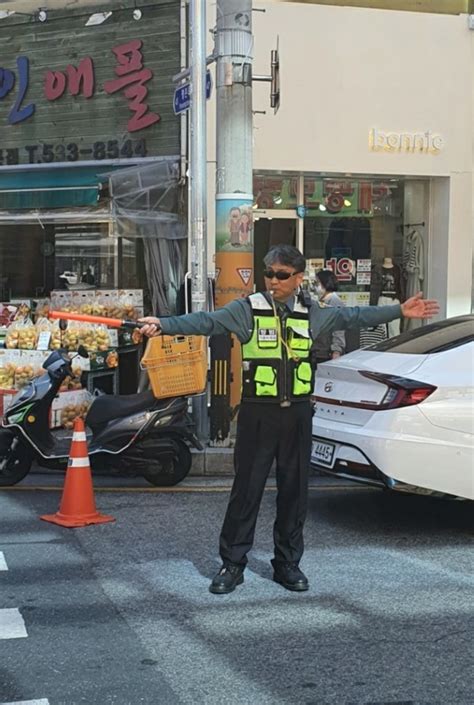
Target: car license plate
322,453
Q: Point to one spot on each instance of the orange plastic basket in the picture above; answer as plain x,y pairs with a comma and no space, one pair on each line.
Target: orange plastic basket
176,365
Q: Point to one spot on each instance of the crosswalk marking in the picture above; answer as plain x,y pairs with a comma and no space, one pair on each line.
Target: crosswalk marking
12,625
42,701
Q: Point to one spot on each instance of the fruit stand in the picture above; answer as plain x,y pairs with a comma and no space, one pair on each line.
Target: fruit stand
27,337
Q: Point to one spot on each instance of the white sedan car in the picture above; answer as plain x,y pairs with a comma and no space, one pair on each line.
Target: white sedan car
400,413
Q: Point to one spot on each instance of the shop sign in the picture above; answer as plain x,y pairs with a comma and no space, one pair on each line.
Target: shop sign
322,197
131,79
103,95
409,142
346,270
343,268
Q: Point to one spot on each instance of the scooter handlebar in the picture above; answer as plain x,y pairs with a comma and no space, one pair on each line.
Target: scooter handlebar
103,320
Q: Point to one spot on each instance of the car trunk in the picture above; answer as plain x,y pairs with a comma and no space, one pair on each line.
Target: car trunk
345,395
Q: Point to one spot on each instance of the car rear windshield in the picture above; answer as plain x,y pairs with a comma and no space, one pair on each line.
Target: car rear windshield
433,338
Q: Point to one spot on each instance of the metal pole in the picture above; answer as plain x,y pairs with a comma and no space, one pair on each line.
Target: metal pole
198,182
234,198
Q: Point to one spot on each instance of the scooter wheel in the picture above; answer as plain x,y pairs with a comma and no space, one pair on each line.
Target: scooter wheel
167,472
15,459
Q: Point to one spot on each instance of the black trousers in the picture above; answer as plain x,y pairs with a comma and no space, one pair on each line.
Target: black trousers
266,432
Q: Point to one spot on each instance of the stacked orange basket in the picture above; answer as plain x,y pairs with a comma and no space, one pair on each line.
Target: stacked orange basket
176,365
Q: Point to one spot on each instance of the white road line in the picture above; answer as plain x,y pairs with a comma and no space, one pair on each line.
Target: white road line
12,625
3,563
43,701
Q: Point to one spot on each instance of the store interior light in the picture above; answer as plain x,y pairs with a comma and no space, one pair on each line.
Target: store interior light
277,199
322,207
347,203
6,13
97,18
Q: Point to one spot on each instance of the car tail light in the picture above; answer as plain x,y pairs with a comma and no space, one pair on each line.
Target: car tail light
401,390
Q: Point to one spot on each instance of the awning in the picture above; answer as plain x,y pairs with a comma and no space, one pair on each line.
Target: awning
51,188
46,216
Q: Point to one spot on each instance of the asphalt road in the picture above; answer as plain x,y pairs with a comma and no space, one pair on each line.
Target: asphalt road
121,613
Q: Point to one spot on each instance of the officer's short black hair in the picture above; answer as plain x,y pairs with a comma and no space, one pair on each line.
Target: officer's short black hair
285,254
327,279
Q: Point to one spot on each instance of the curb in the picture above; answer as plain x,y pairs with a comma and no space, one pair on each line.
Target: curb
213,461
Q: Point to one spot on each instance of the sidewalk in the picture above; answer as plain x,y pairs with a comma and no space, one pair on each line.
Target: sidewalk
219,481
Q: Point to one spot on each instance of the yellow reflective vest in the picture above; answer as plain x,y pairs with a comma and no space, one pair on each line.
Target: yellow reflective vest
276,363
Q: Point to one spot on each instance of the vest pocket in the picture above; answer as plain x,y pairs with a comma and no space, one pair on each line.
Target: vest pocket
265,378
302,379
299,340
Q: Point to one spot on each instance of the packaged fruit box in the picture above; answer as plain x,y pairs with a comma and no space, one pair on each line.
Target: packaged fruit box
67,406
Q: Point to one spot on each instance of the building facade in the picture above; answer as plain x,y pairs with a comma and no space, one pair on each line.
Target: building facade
369,159
85,94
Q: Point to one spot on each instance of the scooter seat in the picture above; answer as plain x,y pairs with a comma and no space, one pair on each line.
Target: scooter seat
115,406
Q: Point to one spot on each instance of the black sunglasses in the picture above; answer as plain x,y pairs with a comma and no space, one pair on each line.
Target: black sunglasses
282,276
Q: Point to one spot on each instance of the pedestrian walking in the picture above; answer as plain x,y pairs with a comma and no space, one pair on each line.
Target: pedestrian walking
276,329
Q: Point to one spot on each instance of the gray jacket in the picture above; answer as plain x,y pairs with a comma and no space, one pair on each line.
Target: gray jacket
236,317
327,343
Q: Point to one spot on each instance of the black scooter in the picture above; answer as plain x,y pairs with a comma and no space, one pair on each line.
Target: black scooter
132,434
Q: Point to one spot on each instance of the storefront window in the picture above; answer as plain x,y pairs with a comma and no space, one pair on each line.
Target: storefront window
131,274
36,259
85,254
371,233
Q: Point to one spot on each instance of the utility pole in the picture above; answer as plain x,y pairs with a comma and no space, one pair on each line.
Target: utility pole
234,198
198,182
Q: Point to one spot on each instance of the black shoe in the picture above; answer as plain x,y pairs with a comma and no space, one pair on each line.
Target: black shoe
227,579
290,576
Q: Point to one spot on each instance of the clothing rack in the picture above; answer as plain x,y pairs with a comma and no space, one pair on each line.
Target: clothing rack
413,225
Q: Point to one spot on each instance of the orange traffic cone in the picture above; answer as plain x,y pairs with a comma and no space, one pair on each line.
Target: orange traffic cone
77,506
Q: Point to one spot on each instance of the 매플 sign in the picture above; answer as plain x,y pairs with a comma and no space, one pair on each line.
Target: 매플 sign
98,95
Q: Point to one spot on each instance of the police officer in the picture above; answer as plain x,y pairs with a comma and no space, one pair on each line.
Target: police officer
276,330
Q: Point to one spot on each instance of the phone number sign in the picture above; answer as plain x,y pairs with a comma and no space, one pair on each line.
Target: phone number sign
101,95
72,152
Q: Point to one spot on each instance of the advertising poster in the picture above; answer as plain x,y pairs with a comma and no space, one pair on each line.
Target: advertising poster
364,272
234,247
354,298
234,223
363,279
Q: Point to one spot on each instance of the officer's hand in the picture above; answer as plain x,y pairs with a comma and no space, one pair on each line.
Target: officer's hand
417,307
151,327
